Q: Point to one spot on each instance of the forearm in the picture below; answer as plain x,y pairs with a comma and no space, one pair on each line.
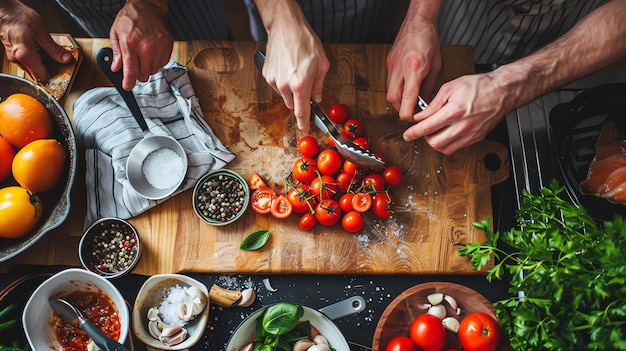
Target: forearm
421,10
275,12
161,5
596,42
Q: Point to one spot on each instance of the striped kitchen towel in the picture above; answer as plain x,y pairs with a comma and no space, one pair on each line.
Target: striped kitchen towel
109,132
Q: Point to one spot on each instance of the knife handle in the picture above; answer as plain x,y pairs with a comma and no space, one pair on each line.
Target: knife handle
104,342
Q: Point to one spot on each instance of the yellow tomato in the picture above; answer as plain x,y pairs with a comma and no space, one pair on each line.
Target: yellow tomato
24,119
20,211
39,165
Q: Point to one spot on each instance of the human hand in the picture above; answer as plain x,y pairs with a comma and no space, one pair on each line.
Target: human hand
141,40
463,112
27,42
295,64
413,62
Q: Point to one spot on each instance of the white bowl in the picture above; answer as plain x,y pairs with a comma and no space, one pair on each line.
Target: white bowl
38,314
152,292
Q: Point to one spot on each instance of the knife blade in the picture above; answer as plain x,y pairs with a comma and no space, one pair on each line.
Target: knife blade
69,314
345,147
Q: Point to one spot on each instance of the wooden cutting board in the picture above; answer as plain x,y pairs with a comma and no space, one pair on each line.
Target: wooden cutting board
440,198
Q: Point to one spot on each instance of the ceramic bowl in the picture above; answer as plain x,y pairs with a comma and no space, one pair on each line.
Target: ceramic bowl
156,166
56,202
152,293
209,191
38,316
110,247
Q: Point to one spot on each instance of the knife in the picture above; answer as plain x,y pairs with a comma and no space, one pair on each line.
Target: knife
345,147
69,314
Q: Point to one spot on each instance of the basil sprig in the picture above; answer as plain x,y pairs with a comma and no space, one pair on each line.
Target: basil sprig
279,327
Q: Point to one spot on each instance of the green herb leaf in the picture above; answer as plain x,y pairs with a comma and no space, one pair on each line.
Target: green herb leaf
281,318
255,240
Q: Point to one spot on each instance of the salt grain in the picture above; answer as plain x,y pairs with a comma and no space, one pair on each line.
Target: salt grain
163,168
170,305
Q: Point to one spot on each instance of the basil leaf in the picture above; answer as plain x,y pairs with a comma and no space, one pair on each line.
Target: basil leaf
281,318
255,240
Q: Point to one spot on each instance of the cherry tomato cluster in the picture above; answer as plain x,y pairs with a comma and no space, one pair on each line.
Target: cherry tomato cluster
325,188
477,332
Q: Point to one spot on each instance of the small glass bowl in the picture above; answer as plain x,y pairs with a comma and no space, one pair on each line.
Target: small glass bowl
217,188
110,247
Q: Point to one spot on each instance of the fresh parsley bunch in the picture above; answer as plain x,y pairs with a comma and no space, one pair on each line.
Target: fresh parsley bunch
571,271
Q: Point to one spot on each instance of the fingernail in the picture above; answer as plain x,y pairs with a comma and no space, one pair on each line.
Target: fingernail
66,57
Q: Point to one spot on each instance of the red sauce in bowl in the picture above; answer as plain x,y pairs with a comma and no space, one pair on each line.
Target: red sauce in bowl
95,306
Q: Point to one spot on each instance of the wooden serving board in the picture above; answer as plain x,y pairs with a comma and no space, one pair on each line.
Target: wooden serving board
440,198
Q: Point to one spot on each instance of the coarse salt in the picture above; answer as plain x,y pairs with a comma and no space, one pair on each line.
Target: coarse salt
170,305
163,168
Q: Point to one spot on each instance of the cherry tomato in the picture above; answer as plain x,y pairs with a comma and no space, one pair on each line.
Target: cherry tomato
329,162
338,113
308,146
307,221
361,202
362,142
304,169
261,200
281,207
327,212
373,183
378,169
345,202
301,198
401,343
428,333
383,205
345,181
354,127
352,221
478,331
39,165
352,168
24,119
6,158
20,211
392,176
324,187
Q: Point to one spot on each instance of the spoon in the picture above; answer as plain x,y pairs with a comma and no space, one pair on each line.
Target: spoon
69,314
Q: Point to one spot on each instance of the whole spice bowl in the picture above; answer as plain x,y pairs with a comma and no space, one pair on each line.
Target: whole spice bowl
156,167
110,247
221,197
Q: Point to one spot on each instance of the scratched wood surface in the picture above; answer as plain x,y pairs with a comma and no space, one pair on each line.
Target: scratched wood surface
440,198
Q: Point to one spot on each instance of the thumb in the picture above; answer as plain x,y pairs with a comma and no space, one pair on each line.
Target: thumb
56,51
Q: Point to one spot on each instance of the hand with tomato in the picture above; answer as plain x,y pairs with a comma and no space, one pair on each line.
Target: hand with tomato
296,63
27,42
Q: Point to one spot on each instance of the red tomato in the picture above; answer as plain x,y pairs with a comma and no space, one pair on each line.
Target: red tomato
354,127
6,158
478,331
352,168
373,183
307,221
344,181
362,142
324,187
329,162
428,333
345,202
281,207
383,205
401,343
361,202
261,200
304,169
378,169
338,113
301,198
352,221
327,212
308,146
392,176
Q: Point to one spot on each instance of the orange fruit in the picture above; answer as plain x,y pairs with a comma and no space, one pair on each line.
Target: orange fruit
20,211
6,158
39,165
24,119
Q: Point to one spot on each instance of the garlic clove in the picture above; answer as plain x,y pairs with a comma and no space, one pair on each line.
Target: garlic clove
451,301
174,339
170,330
268,285
247,298
451,323
248,347
435,299
154,329
319,347
438,311
302,345
320,340
185,311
